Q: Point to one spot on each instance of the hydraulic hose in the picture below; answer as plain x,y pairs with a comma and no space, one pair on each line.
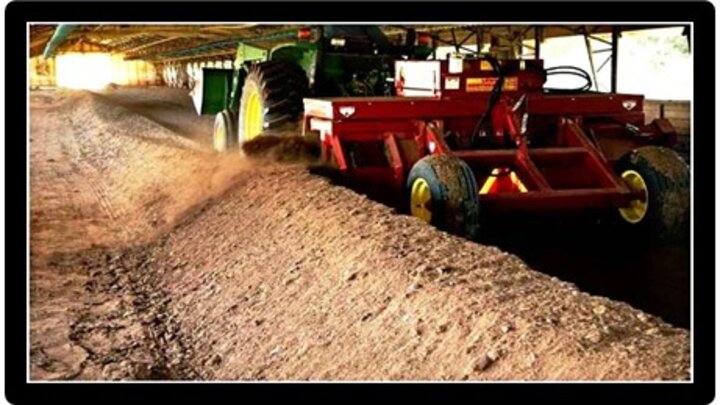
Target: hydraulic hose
497,88
571,71
494,94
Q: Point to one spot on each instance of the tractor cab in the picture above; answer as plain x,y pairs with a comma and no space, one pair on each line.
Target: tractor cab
370,40
365,39
273,74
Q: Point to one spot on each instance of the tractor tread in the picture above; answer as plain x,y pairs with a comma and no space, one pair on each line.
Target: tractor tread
282,86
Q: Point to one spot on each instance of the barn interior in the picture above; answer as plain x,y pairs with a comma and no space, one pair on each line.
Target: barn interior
158,255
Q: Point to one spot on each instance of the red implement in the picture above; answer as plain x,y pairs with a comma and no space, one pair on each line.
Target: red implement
534,151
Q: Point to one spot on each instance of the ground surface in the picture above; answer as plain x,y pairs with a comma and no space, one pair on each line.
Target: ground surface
153,258
101,175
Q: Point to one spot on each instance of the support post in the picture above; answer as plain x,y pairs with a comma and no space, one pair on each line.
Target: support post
538,39
454,39
590,58
479,39
614,60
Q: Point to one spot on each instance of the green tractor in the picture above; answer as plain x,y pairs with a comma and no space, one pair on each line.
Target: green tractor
268,85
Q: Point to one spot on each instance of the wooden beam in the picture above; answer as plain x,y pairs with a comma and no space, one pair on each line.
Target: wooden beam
228,29
180,44
40,41
149,44
230,52
169,29
99,35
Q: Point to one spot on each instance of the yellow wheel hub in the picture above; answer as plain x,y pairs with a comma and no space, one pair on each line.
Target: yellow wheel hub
220,136
253,119
421,200
637,209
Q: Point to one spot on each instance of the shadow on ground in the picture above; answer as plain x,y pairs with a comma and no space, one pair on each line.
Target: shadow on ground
598,257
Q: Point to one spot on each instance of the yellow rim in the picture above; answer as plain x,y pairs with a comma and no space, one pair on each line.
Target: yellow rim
421,200
219,135
253,120
637,209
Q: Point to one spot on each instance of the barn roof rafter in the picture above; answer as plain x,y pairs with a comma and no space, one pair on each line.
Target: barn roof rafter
166,42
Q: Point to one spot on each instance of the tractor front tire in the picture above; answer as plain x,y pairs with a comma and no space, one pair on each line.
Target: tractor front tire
442,191
271,96
665,178
224,131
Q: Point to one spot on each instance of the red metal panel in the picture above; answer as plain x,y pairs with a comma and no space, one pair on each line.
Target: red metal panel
507,156
373,130
422,75
585,104
368,108
596,162
570,173
435,141
396,161
408,108
528,171
338,153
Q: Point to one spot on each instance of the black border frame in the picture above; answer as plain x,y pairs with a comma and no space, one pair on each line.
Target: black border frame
702,390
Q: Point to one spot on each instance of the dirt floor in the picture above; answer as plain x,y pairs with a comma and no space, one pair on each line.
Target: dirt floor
154,258
102,176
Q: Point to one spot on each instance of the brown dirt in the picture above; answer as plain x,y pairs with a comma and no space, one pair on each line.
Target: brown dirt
100,176
276,148
151,258
165,106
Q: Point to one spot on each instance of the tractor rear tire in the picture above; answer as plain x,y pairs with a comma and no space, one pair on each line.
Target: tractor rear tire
271,96
665,177
442,191
224,131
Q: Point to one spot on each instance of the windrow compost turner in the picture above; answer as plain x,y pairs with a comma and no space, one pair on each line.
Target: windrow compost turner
465,135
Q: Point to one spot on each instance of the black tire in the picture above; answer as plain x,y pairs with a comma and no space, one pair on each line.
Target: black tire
224,131
281,86
455,203
667,180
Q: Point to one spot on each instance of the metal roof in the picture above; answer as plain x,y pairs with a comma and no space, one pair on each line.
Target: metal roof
165,43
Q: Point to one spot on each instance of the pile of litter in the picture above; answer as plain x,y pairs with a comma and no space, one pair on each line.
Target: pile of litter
154,258
291,277
104,177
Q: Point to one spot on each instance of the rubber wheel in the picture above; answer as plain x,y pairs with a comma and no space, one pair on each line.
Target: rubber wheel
271,96
442,191
224,130
665,177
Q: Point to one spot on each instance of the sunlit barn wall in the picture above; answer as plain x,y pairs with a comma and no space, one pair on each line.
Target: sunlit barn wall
134,72
126,73
42,71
